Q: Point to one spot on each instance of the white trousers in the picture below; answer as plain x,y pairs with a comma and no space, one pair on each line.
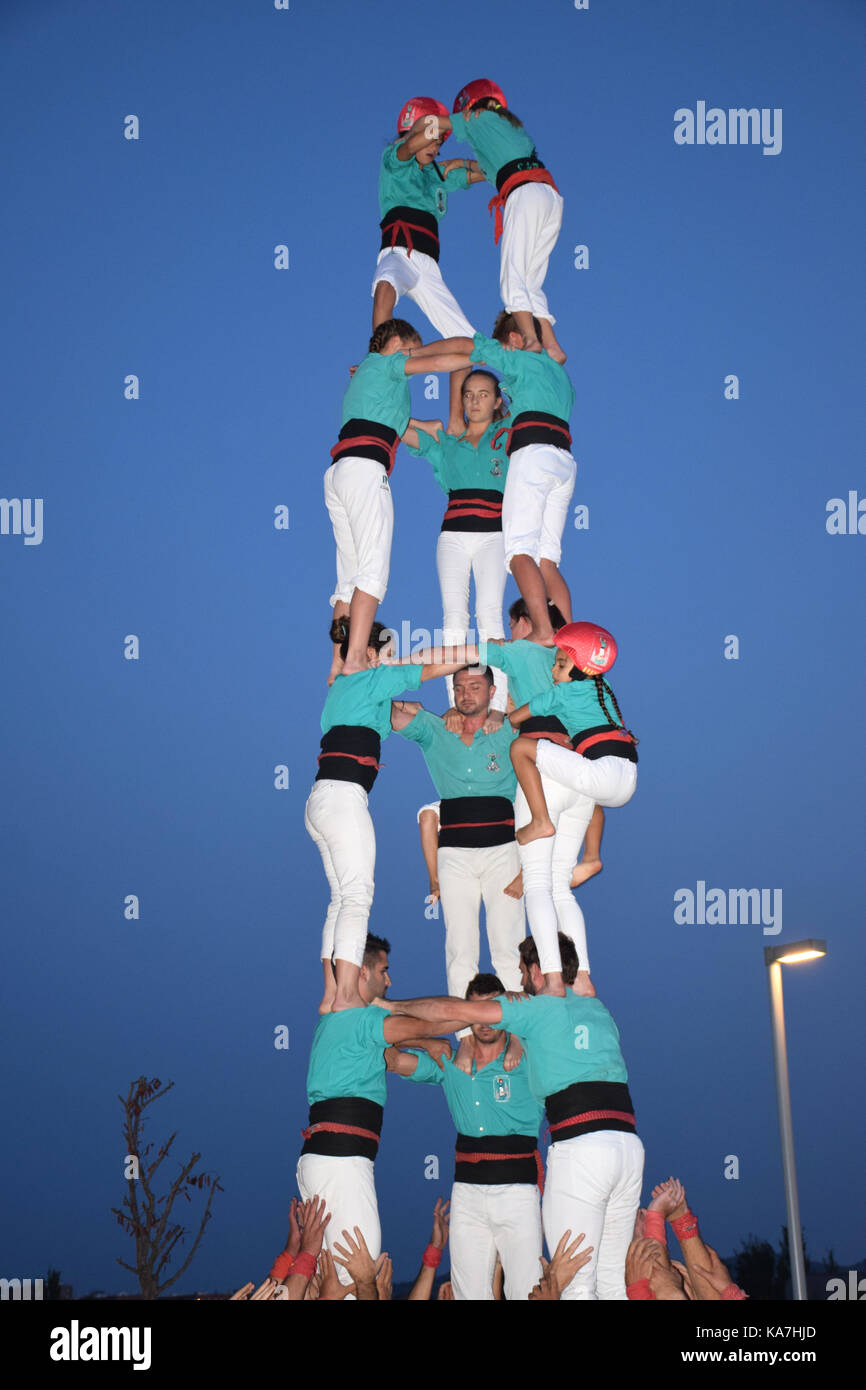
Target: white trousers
359,502
593,1185
610,781
547,868
419,277
530,227
468,877
459,555
489,1219
535,504
349,1188
337,818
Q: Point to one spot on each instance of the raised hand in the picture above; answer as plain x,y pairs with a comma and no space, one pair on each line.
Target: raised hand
441,1224
293,1239
355,1257
513,1053
315,1218
445,1293
330,1286
384,1276
669,1198
465,1055
567,1260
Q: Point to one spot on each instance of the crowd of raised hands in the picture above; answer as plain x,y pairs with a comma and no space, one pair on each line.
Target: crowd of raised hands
306,1271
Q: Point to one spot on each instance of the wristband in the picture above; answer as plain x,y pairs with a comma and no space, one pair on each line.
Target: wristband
282,1266
654,1227
640,1290
305,1264
432,1257
685,1227
734,1291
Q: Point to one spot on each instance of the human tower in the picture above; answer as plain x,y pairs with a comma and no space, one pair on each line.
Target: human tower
532,747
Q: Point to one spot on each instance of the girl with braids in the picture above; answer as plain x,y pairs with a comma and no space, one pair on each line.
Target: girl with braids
413,198
558,784
528,205
355,719
376,410
470,467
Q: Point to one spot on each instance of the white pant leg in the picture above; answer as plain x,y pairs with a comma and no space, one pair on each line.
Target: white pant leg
473,1247
488,567
419,277
514,1213
359,502
460,896
348,1186
593,1185
610,781
571,827
530,226
505,916
454,567
535,473
537,861
339,822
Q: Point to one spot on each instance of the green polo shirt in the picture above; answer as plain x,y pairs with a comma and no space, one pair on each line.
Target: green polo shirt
482,768
494,140
379,391
457,463
404,183
347,1057
532,380
490,1101
527,665
365,697
567,1040
575,704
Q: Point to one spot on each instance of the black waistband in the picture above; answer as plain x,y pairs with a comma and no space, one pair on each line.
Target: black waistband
517,166
355,1111
605,748
419,231
366,429
475,822
538,427
497,1170
346,753
543,724
473,509
587,1098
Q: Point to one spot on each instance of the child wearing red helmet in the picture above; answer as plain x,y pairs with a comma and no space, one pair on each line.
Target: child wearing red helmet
528,205
413,197
554,780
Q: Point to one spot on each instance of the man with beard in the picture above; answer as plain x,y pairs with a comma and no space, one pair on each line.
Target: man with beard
477,857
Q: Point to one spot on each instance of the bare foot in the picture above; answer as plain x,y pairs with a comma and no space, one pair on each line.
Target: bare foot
534,830
668,1197
553,984
584,870
351,668
348,1001
583,985
465,1055
327,1001
639,1224
336,670
515,887
513,1053
531,345
557,354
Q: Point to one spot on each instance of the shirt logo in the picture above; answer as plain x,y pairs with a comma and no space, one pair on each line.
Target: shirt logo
501,1088
384,482
496,471
441,201
492,764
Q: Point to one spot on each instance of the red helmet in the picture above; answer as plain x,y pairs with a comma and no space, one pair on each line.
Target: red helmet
591,648
476,91
415,108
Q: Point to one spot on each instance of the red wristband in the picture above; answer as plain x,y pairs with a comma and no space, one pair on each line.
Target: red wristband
432,1257
282,1266
305,1264
685,1227
639,1290
654,1227
734,1291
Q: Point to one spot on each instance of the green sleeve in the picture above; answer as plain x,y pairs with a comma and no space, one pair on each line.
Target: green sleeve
431,449
545,703
492,654
517,1017
458,128
420,729
426,1070
489,351
456,180
394,680
374,1025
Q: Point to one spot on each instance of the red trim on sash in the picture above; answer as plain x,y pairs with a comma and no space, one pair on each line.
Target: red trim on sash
345,446
473,506
472,825
520,424
594,1115
484,1158
514,181
332,1128
407,228
562,739
356,758
622,737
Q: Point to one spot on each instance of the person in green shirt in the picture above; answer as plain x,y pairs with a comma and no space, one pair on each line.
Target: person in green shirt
528,206
413,198
495,1206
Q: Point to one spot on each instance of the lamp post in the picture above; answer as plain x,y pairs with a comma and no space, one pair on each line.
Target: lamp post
774,958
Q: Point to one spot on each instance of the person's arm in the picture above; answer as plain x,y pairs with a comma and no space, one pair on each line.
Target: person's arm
449,361
411,436
428,826
441,345
314,1219
405,1062
445,1011
423,1286
423,135
355,1257
401,1027
519,716
466,655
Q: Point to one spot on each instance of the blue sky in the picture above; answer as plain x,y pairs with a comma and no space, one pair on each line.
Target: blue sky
707,518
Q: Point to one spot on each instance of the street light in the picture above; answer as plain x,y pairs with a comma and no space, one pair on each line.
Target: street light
774,958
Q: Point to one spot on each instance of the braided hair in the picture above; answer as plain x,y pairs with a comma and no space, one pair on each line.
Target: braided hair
393,328
601,687
491,104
